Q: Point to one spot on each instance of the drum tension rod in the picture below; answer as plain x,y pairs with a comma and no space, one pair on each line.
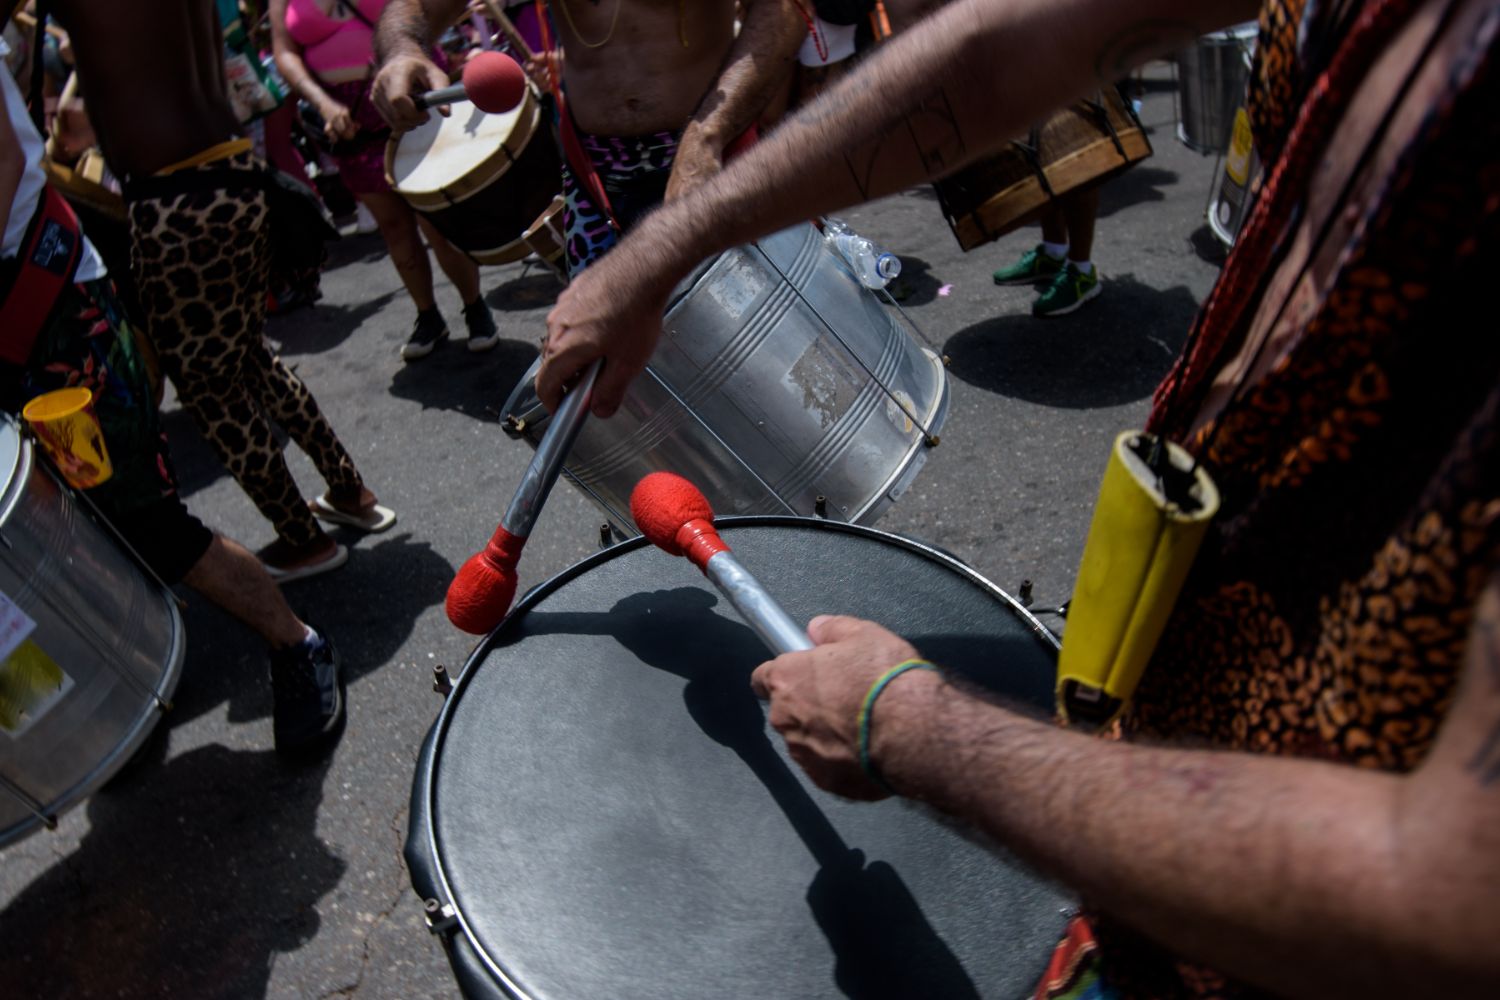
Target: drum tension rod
441,917
1102,113
1031,149
441,682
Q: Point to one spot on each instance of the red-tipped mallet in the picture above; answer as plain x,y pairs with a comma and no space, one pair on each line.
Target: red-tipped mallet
481,592
675,516
492,80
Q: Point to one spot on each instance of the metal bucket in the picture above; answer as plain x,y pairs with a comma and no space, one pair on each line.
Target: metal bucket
1212,78
90,647
778,380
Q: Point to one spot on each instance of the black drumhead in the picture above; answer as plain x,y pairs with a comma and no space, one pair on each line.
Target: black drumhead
606,809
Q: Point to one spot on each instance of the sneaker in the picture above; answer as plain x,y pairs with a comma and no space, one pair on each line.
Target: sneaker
430,331
364,221
285,563
307,695
1070,289
1034,266
482,332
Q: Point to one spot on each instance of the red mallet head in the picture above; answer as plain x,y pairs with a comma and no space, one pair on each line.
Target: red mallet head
480,594
494,82
675,516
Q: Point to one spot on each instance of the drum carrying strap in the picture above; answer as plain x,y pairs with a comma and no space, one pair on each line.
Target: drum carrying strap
33,282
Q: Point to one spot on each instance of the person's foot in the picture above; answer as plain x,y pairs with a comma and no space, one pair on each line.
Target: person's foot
356,508
1034,266
429,331
285,562
364,220
482,332
1070,289
308,696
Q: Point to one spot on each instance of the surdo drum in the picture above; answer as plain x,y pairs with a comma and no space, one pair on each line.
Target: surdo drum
90,648
778,380
482,179
601,809
1083,144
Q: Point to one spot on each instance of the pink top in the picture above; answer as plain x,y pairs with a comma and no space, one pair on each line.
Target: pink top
330,43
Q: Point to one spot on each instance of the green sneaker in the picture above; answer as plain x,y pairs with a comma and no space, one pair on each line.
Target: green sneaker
1034,266
1069,290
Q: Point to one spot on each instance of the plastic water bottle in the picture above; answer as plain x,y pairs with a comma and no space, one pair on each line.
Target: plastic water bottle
872,265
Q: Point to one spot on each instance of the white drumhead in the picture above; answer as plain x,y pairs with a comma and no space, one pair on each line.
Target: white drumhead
441,151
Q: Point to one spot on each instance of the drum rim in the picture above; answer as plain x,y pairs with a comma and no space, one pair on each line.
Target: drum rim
441,725
15,488
484,173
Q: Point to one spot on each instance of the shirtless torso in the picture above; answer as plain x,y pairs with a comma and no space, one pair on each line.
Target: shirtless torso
639,66
153,76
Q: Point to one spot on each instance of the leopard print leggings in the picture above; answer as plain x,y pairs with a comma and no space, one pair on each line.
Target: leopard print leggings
200,260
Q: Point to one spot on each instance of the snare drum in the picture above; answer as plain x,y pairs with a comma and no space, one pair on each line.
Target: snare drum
1084,144
482,179
601,809
778,380
90,648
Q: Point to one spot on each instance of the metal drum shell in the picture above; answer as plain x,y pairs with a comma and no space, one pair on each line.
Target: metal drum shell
778,379
1213,75
113,631
485,210
627,791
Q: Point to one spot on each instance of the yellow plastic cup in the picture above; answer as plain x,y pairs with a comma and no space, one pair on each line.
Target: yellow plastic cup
63,421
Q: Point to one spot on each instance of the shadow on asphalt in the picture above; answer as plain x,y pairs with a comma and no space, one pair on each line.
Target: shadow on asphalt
915,285
1136,186
1112,351
324,327
195,875
475,385
356,248
536,288
368,617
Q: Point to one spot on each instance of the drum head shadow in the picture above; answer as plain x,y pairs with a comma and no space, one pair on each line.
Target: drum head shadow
611,815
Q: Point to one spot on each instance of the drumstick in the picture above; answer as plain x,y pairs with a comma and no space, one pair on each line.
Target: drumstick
484,586
675,516
509,29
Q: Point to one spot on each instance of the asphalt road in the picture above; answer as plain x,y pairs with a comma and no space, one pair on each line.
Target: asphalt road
212,869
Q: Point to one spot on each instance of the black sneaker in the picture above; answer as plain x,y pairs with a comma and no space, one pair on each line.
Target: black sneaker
429,332
308,694
482,332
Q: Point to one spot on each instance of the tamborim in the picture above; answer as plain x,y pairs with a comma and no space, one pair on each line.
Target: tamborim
778,380
1084,144
482,179
602,811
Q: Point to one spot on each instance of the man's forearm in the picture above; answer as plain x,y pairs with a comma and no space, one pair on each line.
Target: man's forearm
408,27
1285,873
958,85
762,56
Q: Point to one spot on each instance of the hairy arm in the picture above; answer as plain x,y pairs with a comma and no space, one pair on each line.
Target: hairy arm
762,57
956,86
403,43
1303,877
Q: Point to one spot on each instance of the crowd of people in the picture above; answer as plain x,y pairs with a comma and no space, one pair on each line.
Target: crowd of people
1301,797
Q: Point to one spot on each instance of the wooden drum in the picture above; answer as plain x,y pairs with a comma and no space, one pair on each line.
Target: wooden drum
1084,144
482,179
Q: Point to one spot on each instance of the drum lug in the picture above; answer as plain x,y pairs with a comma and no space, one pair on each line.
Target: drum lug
440,681
820,506
513,426
441,917
1024,595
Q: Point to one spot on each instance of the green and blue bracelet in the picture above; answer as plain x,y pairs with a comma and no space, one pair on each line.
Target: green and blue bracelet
862,720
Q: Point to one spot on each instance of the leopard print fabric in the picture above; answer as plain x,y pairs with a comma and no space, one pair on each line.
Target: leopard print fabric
200,261
1328,611
634,171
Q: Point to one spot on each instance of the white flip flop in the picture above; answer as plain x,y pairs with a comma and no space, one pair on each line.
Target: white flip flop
376,520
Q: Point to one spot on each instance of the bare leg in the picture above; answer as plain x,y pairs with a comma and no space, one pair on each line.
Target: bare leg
398,227
457,265
232,578
1079,209
1054,224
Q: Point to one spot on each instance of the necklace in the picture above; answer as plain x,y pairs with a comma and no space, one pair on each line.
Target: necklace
613,21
